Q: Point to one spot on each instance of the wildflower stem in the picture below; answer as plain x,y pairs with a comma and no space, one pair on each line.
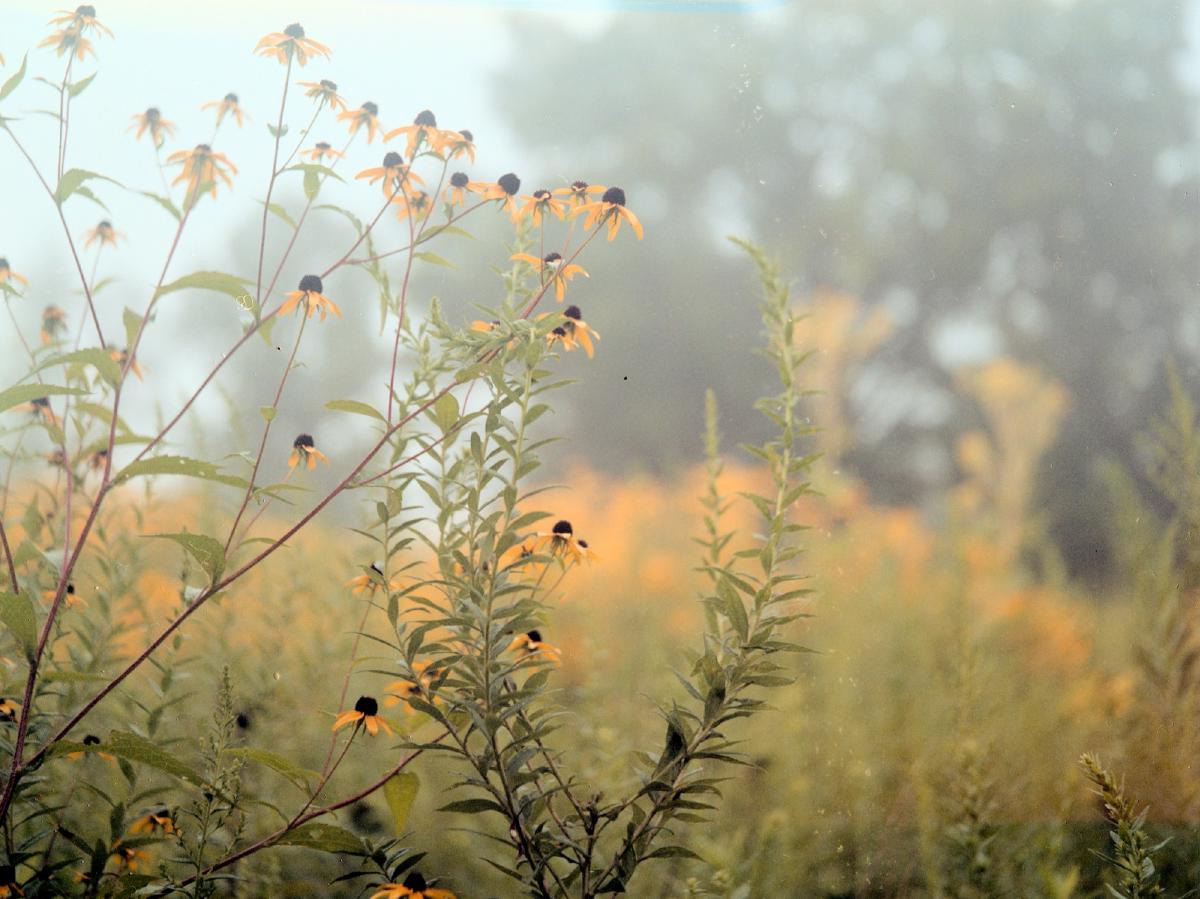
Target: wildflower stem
64,112
346,680
262,445
8,558
66,229
262,240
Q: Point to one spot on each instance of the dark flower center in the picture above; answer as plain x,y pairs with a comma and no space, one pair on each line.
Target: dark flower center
552,259
231,98
509,183
467,135
152,115
304,441
3,263
542,194
204,149
367,706
294,30
321,145
583,544
391,160
573,312
329,85
563,528
426,118
579,186
105,225
86,10
413,881
7,875
42,402
91,740
371,108
242,720
70,589
312,284
459,179
559,332
615,196
535,636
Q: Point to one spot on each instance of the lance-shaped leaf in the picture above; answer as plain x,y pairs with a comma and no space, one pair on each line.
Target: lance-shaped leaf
23,393
11,84
177,465
400,791
100,359
133,748
206,550
218,282
72,182
326,837
358,408
16,611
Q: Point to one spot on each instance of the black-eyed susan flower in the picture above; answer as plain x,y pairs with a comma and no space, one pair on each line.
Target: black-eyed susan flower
423,131
414,886
418,204
54,323
70,37
82,19
610,209
121,356
310,294
228,105
8,882
552,265
202,167
128,858
562,542
485,327
366,714
401,691
98,459
72,598
322,151
370,581
459,143
573,332
290,43
152,121
154,823
539,204
394,173
324,91
456,193
57,458
579,192
91,740
304,449
366,116
8,710
8,275
503,189
522,554
39,407
530,643
103,232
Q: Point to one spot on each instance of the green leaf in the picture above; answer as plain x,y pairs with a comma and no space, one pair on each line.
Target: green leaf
277,763
87,194
80,86
356,407
164,202
11,84
219,282
133,748
73,179
435,259
17,613
23,393
315,169
133,324
178,465
400,791
672,852
445,412
282,213
277,132
312,184
94,356
473,806
206,550
326,837
267,412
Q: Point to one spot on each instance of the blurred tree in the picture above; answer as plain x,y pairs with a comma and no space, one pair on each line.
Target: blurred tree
1015,177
